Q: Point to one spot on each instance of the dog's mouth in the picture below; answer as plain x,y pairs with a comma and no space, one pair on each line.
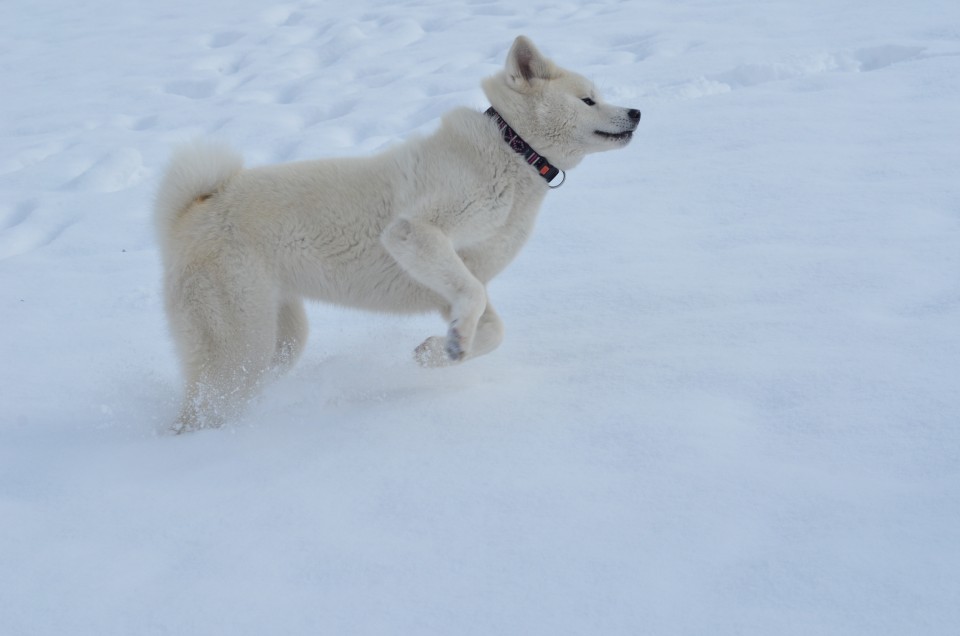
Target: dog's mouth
618,137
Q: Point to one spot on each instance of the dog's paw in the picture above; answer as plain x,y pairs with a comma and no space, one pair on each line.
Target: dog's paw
442,351
432,353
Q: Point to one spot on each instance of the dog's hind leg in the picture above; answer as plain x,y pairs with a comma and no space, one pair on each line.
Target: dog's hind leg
227,340
292,332
221,384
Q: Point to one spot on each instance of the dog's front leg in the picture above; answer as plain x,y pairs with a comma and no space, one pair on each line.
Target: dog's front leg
428,255
432,353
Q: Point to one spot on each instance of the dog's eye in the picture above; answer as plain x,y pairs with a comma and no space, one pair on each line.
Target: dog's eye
588,101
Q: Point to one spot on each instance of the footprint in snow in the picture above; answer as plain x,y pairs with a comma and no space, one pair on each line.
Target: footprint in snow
144,123
224,64
192,89
877,57
862,60
224,38
640,47
293,19
31,156
24,229
112,172
283,15
20,213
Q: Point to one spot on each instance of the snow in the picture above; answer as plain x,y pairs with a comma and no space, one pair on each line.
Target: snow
729,397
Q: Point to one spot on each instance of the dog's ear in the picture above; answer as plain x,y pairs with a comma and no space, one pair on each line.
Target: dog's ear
526,64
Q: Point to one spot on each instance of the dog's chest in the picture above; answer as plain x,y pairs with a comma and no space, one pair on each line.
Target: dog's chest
479,218
490,246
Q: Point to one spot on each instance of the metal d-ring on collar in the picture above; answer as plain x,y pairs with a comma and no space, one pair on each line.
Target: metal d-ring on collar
540,163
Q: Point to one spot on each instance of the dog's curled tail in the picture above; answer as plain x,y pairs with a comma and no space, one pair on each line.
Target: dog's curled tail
196,171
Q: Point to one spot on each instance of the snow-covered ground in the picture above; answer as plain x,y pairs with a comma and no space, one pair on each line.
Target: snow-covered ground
729,398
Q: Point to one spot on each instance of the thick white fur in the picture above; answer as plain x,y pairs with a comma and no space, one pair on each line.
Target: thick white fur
421,227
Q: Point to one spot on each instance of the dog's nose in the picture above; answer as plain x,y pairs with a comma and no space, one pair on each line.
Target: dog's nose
634,114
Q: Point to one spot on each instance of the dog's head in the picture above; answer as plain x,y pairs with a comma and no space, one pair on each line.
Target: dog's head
556,111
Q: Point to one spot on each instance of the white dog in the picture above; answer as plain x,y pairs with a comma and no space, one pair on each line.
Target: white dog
421,227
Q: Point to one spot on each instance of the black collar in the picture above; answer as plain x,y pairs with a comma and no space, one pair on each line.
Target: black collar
543,167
